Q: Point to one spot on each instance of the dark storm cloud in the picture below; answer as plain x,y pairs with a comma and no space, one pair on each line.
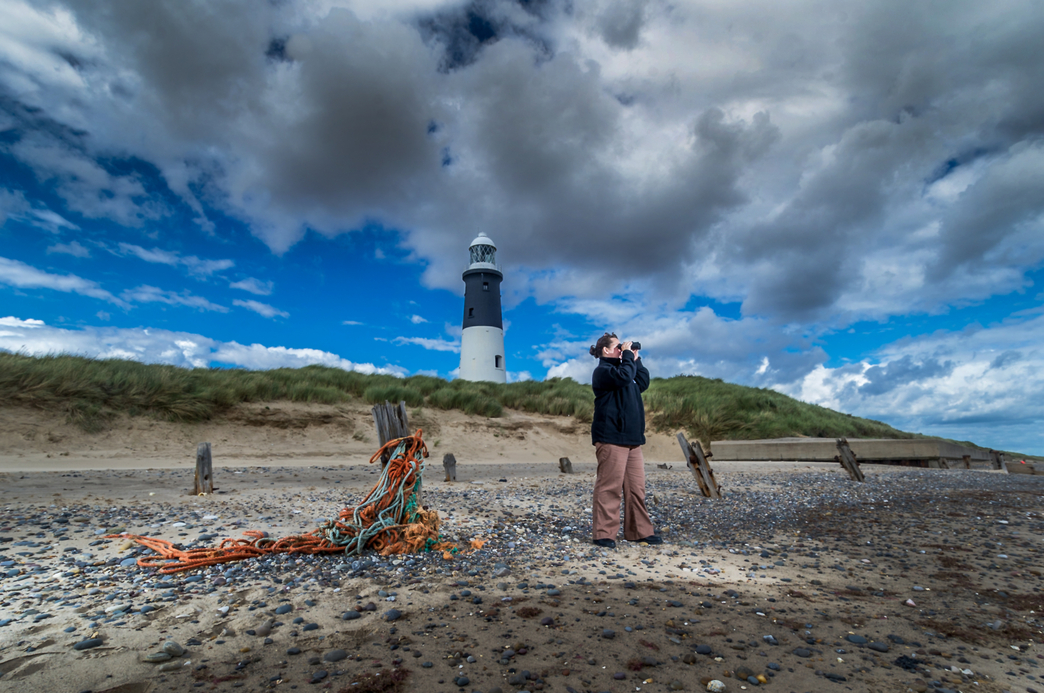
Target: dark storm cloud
794,158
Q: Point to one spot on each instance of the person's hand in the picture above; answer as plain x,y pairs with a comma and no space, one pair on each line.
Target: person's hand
626,346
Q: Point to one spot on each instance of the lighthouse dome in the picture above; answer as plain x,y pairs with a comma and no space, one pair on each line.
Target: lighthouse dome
483,252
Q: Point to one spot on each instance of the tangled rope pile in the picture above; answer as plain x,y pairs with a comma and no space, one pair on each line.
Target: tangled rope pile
389,520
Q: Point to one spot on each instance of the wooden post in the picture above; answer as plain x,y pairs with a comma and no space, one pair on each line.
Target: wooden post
565,465
848,460
997,459
449,463
391,422
699,467
967,461
204,470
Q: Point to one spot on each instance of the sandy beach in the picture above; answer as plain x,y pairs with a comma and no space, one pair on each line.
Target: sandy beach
915,580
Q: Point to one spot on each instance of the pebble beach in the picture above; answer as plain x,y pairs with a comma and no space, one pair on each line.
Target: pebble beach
798,580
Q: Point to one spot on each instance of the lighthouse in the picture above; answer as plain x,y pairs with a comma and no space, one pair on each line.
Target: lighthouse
482,341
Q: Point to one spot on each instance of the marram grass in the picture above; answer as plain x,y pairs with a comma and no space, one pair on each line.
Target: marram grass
92,391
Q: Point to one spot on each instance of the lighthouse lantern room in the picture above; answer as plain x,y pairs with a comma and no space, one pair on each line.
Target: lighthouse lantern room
482,340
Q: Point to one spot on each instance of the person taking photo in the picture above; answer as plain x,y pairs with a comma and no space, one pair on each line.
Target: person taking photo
618,433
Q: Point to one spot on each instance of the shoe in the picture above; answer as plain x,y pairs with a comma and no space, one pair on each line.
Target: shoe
652,540
605,543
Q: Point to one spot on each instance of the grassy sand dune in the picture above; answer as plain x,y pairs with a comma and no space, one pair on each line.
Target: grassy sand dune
92,392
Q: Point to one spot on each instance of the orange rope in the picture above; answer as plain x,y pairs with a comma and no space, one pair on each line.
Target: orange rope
387,521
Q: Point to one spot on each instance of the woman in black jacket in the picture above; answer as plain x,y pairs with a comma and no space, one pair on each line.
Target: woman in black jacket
618,433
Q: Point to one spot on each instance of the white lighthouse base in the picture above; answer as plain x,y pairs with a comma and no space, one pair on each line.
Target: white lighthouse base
482,355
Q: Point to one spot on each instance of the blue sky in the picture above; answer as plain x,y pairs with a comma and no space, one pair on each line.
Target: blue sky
843,204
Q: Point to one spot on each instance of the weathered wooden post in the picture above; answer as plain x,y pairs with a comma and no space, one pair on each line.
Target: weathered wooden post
449,463
967,461
564,465
204,471
848,460
997,459
391,422
699,467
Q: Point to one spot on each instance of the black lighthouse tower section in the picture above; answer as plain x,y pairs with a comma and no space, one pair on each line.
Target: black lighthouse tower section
482,298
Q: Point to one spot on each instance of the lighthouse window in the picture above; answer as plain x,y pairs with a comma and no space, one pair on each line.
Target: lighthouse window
483,253
471,312
499,360
485,286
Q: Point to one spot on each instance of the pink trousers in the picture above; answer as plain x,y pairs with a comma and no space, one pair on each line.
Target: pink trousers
620,468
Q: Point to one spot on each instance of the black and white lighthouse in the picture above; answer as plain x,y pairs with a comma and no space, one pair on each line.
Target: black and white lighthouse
482,341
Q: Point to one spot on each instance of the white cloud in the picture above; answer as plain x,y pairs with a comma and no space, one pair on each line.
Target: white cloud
981,383
184,349
254,286
13,205
152,294
519,376
195,266
23,276
261,308
430,344
351,322
74,249
417,320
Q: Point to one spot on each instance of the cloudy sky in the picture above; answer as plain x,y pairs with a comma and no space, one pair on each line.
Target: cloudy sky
842,201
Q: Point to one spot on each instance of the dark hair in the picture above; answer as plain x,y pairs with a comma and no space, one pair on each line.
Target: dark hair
603,341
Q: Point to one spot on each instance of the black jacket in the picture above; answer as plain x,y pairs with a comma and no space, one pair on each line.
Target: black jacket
619,414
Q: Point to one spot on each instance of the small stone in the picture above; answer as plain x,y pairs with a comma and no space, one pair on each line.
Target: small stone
171,666
157,657
878,647
608,633
803,652
334,656
311,626
318,676
350,615
294,651
264,630
427,665
857,639
284,609
173,649
392,615
619,676
87,644
462,681
547,621
743,672
716,686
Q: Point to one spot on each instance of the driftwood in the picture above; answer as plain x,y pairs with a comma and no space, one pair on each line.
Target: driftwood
204,470
848,460
449,462
699,467
564,465
391,422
